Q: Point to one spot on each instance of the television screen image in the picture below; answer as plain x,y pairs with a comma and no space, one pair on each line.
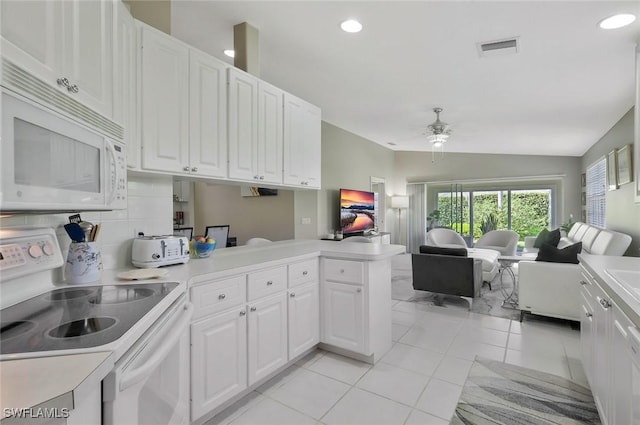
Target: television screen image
357,211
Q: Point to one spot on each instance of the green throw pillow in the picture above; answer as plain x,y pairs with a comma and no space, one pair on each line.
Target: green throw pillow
541,238
547,237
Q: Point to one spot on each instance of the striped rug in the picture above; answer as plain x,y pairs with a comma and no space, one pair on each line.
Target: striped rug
500,393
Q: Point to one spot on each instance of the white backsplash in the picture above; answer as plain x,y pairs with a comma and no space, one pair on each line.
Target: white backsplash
150,210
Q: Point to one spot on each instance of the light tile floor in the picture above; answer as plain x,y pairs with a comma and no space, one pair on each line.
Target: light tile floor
418,381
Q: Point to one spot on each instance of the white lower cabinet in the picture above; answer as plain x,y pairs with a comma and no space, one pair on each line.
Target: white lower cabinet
604,335
356,307
304,318
249,326
218,360
267,336
343,316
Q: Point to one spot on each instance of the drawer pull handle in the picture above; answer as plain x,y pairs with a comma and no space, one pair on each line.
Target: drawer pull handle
304,273
588,314
604,303
222,296
359,290
253,309
293,294
269,283
582,282
243,313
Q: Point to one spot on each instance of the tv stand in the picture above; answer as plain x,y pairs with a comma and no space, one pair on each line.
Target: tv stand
383,238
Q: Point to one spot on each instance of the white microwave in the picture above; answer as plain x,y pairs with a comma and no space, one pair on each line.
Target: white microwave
52,162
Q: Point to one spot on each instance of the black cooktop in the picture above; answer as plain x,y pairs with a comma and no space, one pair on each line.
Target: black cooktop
77,317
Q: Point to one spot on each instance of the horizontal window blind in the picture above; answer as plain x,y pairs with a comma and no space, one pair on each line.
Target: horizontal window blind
596,193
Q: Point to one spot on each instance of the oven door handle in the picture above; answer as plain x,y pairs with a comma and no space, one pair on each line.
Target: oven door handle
136,375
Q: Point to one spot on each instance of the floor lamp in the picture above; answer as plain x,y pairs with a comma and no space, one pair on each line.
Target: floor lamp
401,203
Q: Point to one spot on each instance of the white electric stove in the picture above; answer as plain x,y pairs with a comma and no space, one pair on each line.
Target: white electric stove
145,325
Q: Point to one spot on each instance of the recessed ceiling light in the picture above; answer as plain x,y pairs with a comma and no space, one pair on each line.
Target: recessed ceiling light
617,21
230,52
351,25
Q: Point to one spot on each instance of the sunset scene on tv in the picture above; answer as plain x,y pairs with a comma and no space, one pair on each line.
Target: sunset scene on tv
357,209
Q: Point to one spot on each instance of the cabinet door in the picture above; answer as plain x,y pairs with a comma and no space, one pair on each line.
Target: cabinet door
600,352
87,52
207,115
124,82
165,103
304,326
343,316
32,36
267,336
622,369
312,145
586,333
302,148
218,360
269,133
243,125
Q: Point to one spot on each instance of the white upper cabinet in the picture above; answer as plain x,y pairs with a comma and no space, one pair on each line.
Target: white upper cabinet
67,44
243,125
124,81
255,129
302,150
183,129
207,115
270,126
164,102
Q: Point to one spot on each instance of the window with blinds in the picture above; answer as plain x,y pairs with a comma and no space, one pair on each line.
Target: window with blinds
596,193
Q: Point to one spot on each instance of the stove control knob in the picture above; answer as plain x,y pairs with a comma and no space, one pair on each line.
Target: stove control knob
35,251
47,248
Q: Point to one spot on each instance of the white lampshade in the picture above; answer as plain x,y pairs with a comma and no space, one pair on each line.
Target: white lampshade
399,202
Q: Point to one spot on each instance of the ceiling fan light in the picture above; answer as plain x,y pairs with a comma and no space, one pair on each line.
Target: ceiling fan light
437,140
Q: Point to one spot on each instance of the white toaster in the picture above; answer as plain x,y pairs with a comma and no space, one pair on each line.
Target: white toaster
156,251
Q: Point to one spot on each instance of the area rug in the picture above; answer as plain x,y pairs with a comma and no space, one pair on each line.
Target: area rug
489,303
499,393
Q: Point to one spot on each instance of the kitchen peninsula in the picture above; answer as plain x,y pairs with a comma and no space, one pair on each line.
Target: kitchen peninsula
258,309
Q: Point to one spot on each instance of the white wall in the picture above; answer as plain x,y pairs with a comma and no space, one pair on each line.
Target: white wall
623,214
149,211
349,161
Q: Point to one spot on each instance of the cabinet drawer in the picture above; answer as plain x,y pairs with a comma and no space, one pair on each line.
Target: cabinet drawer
267,282
303,272
219,295
344,271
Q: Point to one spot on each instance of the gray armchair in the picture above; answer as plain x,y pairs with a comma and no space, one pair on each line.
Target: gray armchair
447,271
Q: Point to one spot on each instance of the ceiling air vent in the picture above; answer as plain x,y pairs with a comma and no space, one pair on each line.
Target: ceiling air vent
499,47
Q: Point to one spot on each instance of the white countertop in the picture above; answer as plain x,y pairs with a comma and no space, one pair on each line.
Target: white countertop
227,261
626,300
52,382
56,380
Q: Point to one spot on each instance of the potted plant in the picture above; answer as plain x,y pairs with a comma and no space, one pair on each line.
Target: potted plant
433,219
489,223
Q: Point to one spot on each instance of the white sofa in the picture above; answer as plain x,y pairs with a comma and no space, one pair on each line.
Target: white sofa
553,289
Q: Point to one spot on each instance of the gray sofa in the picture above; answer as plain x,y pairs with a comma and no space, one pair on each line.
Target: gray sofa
447,271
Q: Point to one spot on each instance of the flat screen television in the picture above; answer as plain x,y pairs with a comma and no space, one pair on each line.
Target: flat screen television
357,211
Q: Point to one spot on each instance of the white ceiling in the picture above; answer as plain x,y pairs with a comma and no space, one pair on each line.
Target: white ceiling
568,85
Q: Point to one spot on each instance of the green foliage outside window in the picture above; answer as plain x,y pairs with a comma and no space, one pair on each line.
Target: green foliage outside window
530,211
